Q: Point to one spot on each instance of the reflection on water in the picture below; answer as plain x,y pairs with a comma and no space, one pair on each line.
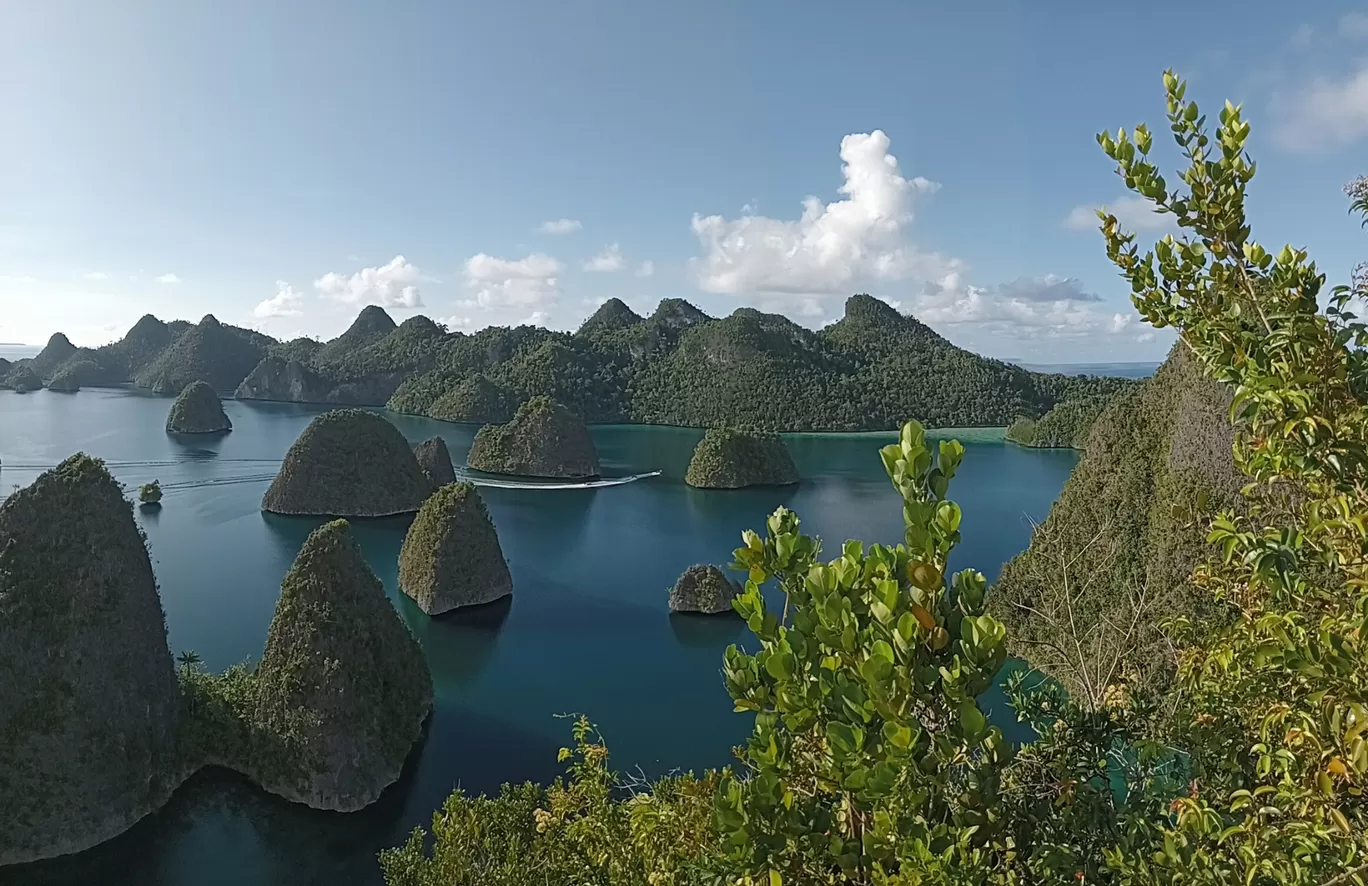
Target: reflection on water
586,630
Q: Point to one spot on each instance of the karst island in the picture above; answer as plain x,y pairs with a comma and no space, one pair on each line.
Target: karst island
727,458
451,555
544,440
198,410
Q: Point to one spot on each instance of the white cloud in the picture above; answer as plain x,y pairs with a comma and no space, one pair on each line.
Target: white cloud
390,285
96,275
455,322
831,248
646,268
1048,307
285,303
561,226
609,260
1323,115
1145,336
1133,214
1354,25
1302,36
168,278
536,318
26,280
526,282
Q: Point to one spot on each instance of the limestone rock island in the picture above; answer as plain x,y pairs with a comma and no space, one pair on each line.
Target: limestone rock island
475,399
731,459
451,555
348,463
435,460
342,687
89,701
198,410
544,439
22,379
704,589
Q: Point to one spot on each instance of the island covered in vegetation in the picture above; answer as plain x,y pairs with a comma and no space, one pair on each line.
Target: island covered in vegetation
544,439
198,410
727,458
348,463
704,589
435,460
678,366
451,555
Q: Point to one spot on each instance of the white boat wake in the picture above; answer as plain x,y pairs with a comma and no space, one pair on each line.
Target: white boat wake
552,484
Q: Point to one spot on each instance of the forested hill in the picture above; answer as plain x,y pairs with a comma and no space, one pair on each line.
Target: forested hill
871,370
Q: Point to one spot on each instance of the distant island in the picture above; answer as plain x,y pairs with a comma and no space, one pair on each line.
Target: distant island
869,370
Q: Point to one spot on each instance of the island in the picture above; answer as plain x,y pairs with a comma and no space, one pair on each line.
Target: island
198,410
150,494
544,439
210,351
83,650
348,463
75,374
727,458
451,555
435,460
1066,426
704,589
22,379
475,399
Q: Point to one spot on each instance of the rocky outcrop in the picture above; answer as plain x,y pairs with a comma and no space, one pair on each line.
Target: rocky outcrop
22,379
290,381
544,439
197,410
451,555
57,351
704,589
731,459
369,327
349,463
435,460
342,689
475,399
77,373
220,355
88,696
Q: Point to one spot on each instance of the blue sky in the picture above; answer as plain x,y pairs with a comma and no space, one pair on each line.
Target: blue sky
281,164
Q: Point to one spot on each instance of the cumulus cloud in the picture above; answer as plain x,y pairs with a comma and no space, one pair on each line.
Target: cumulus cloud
1324,114
456,322
831,248
1354,25
390,285
529,282
561,226
646,268
168,278
1133,213
609,260
1049,307
536,318
285,303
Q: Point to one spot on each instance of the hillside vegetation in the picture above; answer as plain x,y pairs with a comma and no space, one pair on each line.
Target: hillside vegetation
678,366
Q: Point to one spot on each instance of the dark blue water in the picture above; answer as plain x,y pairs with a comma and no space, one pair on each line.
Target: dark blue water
588,628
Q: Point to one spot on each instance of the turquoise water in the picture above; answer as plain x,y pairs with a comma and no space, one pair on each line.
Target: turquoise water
587,630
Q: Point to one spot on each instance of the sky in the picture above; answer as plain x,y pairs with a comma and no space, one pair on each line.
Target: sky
282,163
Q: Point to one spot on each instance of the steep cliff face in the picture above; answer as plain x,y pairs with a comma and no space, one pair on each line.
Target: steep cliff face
349,463
435,460
88,696
704,589
451,555
290,381
342,688
1128,527
544,439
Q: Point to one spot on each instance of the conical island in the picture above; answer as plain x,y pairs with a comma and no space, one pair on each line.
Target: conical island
198,410
348,463
435,460
544,439
342,688
88,696
705,589
451,555
475,399
731,459
22,379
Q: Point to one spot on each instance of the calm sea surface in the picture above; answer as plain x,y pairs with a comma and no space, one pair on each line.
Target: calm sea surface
588,628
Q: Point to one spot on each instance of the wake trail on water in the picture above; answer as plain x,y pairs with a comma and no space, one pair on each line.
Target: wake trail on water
551,484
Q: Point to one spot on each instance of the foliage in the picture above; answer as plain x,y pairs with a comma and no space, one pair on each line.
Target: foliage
544,439
212,352
730,459
22,379
150,493
704,588
411,347
435,460
475,399
140,346
197,410
348,462
451,555
1270,707
1119,545
76,373
57,351
1066,425
574,831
